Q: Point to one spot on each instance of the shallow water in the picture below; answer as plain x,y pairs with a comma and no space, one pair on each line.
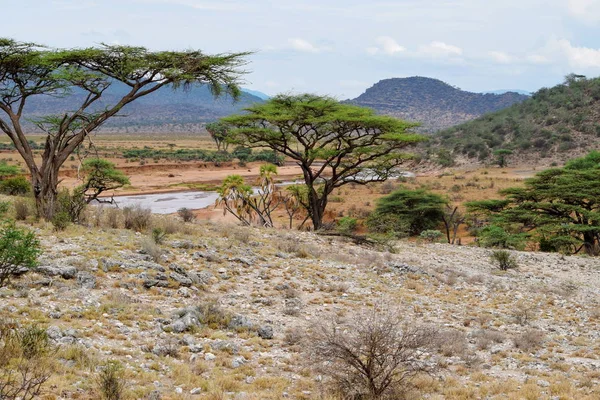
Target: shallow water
167,203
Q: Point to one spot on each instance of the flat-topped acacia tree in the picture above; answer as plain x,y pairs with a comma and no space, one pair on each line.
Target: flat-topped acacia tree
28,70
333,143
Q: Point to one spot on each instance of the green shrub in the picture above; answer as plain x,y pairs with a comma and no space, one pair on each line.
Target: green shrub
18,248
431,235
388,224
111,381
16,186
504,260
158,235
347,225
422,210
496,236
61,220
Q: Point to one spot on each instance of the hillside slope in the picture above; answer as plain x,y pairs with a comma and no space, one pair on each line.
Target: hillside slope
555,124
166,110
432,102
225,312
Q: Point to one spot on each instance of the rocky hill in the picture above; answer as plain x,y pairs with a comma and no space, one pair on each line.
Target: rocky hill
219,311
554,125
163,111
432,102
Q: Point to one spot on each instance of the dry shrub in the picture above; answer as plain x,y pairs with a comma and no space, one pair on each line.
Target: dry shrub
452,343
484,338
26,361
137,218
186,214
150,247
112,217
376,357
22,209
293,336
529,340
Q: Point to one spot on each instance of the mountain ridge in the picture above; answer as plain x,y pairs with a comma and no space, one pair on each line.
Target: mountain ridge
434,103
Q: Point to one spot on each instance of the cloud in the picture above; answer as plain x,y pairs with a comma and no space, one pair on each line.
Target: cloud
387,45
306,46
221,5
440,49
501,57
577,57
537,59
586,10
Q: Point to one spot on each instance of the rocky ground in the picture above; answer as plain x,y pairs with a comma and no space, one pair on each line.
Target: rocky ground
221,312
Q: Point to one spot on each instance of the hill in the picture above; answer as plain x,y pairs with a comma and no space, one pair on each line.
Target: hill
555,124
432,102
222,312
166,110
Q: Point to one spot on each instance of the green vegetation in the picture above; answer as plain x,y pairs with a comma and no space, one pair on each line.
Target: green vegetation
29,70
18,248
242,154
504,260
333,143
218,132
418,210
100,176
558,207
554,120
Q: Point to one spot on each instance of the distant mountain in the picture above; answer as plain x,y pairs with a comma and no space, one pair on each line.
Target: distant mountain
165,110
554,125
256,93
502,91
432,102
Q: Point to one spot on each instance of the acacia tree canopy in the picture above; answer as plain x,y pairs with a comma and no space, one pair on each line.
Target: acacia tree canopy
560,206
333,143
28,70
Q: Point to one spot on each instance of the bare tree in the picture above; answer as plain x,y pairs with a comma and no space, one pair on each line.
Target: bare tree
374,358
452,219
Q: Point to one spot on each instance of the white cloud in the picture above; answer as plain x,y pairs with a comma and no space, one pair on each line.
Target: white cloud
586,10
306,46
501,57
538,59
577,57
387,45
440,49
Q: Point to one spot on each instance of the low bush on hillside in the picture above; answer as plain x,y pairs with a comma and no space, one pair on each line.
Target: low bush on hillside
376,357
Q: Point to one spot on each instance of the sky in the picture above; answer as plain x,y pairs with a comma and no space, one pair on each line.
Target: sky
339,47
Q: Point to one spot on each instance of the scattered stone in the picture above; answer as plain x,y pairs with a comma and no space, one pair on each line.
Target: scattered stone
182,280
240,322
209,357
238,362
66,272
196,390
86,280
265,332
154,395
54,332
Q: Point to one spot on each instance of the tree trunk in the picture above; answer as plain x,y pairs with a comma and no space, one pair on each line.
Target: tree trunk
45,190
590,246
317,208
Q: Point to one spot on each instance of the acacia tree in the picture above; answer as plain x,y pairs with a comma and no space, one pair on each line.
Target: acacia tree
218,132
560,207
100,176
333,143
28,70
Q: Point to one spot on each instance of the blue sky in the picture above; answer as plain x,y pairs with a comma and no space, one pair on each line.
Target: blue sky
340,47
